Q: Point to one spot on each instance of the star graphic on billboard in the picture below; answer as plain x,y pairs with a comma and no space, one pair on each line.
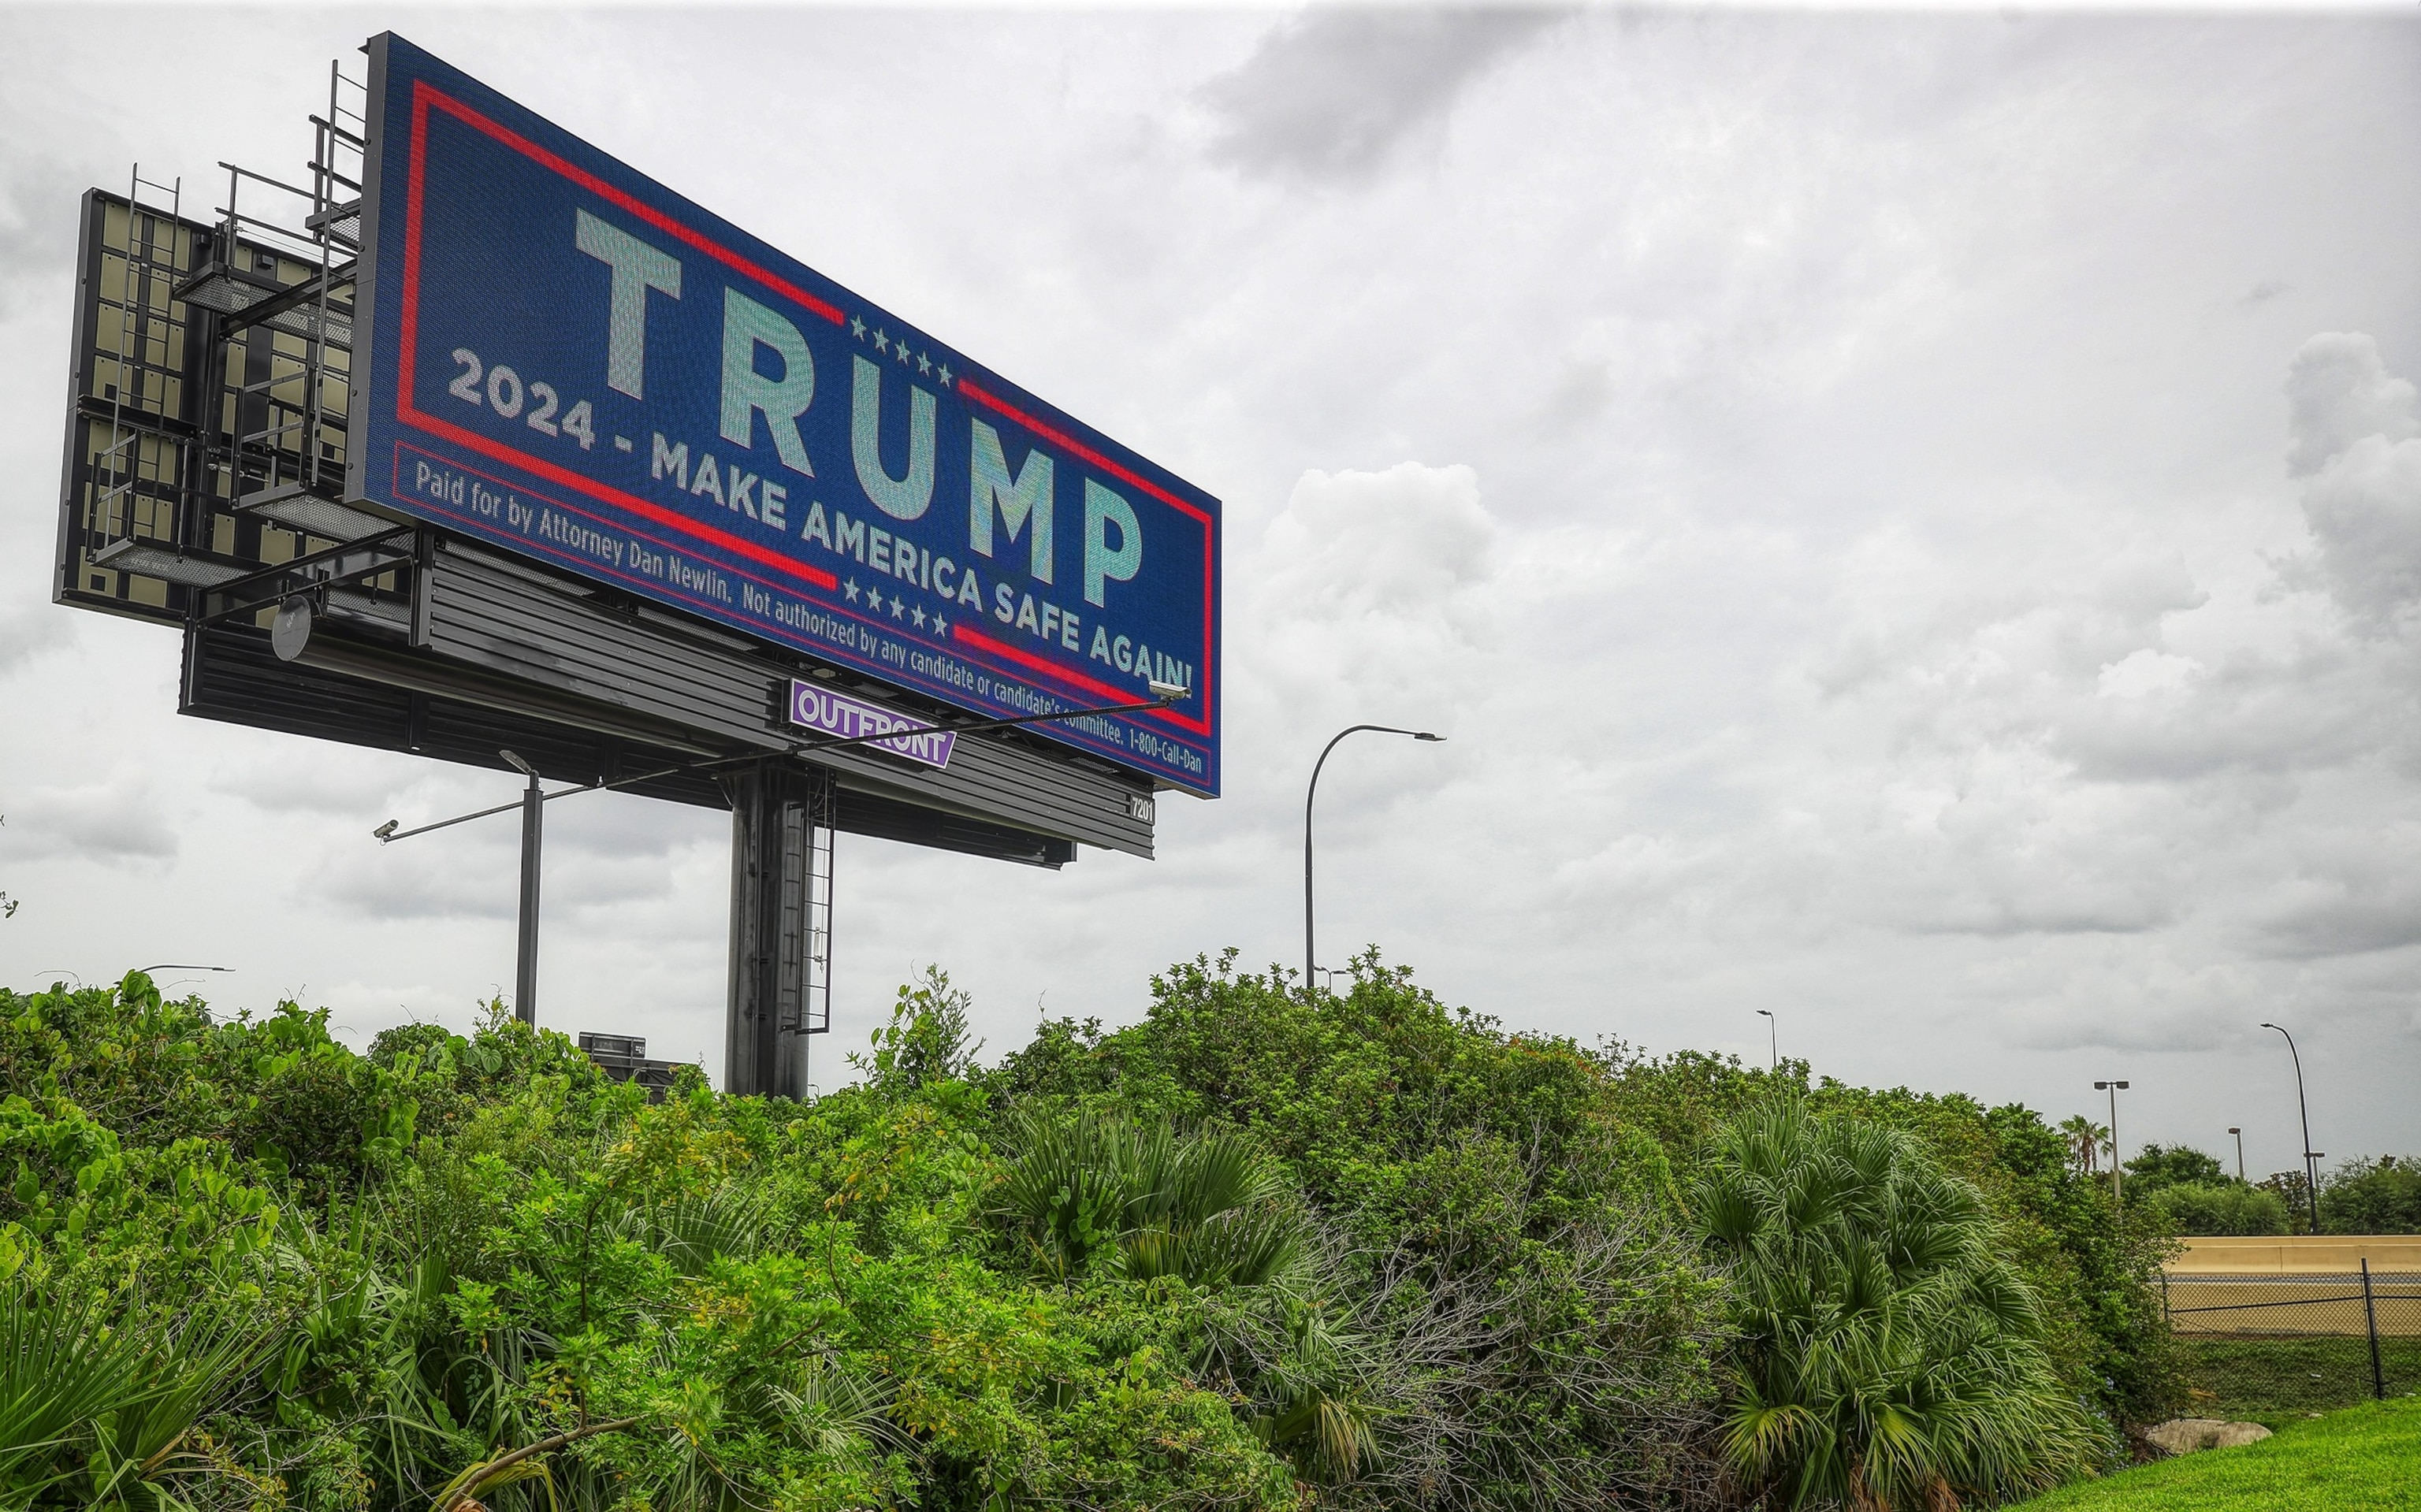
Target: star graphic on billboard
874,600
940,627
857,327
894,606
945,375
882,342
899,350
850,589
924,363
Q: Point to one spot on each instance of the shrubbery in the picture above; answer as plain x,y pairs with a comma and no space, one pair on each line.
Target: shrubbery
2381,1196
1888,1352
2194,1196
2210,1208
1263,1248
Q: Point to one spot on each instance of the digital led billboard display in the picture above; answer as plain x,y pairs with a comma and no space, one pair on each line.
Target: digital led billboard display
564,357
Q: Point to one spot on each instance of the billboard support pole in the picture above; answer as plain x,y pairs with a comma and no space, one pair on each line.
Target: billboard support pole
533,839
781,926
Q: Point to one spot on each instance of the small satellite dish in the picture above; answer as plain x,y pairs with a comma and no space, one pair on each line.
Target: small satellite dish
292,630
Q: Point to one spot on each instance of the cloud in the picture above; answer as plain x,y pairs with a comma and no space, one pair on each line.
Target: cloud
1370,590
2338,393
116,822
27,633
2146,670
416,882
1332,94
319,779
2357,445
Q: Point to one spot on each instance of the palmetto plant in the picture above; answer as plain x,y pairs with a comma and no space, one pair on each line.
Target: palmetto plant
1209,1208
1888,1357
109,1393
1205,1208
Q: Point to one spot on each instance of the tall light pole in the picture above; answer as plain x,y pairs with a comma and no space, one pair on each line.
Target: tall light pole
1772,1038
2117,1192
533,837
2240,1150
2311,1173
1310,955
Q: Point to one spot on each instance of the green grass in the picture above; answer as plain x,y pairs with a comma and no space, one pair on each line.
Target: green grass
2275,1381
2364,1458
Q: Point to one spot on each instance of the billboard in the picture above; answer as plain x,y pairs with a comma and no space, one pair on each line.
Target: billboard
557,355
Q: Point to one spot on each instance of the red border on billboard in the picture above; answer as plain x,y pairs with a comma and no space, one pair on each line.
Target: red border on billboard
425,96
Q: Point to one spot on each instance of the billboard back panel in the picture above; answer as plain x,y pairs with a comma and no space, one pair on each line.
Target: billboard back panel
565,358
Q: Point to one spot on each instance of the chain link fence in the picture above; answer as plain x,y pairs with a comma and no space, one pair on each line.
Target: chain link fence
2275,1345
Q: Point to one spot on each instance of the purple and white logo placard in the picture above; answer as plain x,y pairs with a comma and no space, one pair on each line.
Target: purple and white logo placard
819,709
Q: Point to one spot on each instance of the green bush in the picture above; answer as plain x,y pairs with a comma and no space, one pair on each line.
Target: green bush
2216,1208
1889,1356
1265,1248
459,1249
2381,1196
1512,1271
2096,1269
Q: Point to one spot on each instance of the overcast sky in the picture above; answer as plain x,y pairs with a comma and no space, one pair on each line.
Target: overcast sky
1910,523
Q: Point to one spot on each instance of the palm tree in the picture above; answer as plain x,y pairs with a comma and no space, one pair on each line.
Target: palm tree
2087,1141
1889,1359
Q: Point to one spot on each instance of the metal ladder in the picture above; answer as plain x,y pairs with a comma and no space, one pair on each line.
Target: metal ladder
289,466
148,272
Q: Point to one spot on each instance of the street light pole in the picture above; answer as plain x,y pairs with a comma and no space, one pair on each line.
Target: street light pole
2117,1192
1772,1036
533,837
2311,1176
1311,957
2240,1150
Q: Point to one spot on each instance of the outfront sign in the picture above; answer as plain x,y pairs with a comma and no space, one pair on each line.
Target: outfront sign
562,356
819,709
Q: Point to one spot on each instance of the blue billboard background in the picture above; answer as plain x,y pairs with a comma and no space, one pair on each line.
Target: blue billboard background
565,358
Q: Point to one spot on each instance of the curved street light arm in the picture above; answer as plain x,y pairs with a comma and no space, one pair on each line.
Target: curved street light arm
2311,1176
1309,956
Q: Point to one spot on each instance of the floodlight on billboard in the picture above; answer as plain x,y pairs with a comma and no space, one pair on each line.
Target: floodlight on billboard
561,356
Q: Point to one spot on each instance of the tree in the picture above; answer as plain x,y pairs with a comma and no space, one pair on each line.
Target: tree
2086,1140
2162,1166
1889,1356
